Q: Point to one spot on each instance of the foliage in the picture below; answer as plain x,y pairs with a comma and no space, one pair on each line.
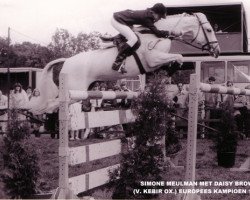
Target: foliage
172,142
65,44
144,161
227,136
21,170
32,55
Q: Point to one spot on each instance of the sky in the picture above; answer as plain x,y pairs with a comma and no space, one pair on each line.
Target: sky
37,20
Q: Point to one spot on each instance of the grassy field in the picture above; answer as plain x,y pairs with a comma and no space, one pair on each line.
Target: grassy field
207,169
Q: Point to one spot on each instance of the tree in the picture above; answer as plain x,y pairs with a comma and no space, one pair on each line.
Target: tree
145,160
31,55
21,171
64,44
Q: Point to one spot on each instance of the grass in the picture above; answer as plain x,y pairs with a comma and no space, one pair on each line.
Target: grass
206,167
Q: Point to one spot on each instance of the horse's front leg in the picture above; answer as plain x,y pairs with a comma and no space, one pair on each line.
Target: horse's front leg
155,58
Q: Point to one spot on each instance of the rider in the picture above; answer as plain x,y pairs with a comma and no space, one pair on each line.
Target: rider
123,22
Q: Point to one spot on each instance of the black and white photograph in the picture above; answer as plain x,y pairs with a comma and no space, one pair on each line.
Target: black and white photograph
115,99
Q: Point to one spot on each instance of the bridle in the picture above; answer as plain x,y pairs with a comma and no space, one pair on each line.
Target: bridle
207,46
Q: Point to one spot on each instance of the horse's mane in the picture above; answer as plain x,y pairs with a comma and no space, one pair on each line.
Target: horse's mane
169,17
179,15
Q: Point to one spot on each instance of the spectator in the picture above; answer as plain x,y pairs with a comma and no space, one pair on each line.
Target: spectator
217,29
108,104
103,87
19,97
74,111
125,103
181,103
117,102
181,97
3,112
36,124
29,92
212,103
95,103
240,113
248,97
228,99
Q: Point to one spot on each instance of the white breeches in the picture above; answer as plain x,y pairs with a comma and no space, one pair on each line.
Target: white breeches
125,31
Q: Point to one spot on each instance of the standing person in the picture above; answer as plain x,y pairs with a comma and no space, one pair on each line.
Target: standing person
181,103
18,97
123,22
36,124
95,103
181,97
29,92
3,112
125,103
212,103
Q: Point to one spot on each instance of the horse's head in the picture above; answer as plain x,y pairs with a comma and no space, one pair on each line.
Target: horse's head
205,35
195,31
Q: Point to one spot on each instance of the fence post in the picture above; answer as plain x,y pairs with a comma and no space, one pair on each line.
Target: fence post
192,127
63,136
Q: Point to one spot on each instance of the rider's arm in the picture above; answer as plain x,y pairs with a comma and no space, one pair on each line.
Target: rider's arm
159,33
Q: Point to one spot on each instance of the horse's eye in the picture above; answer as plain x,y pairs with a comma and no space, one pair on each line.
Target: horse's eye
209,30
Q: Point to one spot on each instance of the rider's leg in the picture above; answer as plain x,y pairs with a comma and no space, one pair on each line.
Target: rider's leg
127,47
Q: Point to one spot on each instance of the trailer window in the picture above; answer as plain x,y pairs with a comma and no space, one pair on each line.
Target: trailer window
239,71
215,69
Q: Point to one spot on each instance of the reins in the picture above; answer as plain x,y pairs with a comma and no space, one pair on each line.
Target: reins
206,46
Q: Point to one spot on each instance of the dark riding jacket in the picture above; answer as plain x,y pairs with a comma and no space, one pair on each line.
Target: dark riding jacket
139,17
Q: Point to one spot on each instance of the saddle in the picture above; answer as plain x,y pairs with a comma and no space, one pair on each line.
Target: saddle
119,40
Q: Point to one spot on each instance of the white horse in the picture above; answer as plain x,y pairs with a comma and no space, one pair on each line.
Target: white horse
87,67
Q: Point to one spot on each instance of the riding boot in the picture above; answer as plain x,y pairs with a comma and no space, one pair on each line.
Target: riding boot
122,54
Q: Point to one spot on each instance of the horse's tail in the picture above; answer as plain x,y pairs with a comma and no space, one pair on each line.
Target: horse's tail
48,68
47,88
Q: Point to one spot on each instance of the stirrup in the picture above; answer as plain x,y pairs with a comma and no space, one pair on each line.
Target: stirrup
122,69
